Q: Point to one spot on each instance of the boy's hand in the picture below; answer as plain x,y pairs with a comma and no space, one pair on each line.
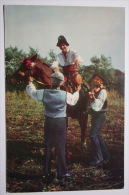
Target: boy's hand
30,79
56,70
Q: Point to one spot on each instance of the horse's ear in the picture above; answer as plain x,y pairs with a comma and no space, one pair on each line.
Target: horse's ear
34,57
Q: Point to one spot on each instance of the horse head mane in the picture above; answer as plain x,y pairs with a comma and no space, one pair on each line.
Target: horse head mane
42,71
43,67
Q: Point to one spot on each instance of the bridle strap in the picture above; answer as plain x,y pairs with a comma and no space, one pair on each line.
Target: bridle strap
40,82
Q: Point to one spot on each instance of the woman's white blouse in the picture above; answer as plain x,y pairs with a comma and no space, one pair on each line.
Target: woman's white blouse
98,103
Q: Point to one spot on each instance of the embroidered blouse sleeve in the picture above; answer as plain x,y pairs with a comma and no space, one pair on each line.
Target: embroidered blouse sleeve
98,103
72,99
33,93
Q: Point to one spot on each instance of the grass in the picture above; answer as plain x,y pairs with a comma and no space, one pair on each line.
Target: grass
115,99
25,149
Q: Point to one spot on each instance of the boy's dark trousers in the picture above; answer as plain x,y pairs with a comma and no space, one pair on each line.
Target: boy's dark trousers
55,135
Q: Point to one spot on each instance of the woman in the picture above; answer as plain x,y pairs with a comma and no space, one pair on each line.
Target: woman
98,109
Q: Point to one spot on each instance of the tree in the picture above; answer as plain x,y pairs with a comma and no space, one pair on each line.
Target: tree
32,51
103,66
100,66
51,57
119,82
12,59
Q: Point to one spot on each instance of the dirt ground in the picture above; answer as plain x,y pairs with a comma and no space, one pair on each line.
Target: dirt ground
25,149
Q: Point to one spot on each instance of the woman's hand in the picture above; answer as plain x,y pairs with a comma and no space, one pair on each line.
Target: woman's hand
91,96
78,87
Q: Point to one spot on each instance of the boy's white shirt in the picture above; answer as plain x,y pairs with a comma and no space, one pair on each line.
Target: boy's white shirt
37,95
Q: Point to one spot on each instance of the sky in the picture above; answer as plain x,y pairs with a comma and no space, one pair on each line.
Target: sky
91,31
